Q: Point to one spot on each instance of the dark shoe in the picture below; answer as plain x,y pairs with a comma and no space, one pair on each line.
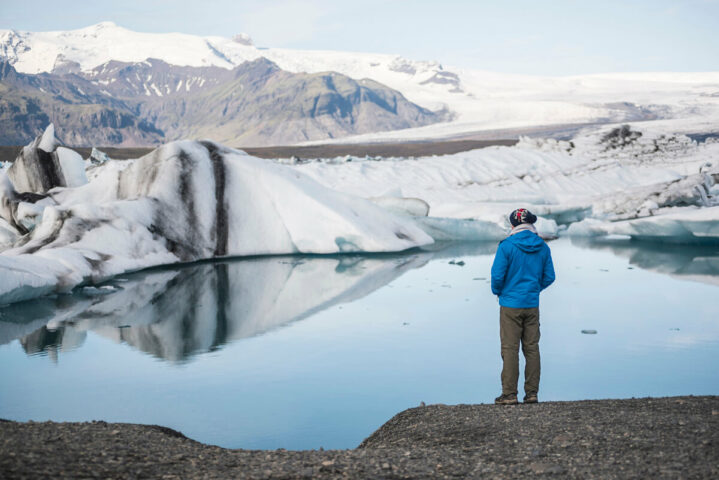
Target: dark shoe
531,398
506,400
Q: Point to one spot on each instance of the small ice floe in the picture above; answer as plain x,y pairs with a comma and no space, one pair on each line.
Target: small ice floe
97,157
589,332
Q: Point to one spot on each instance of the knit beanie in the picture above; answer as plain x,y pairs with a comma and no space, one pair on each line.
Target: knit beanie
521,215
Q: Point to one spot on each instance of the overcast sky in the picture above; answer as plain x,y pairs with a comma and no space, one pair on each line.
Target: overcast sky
523,36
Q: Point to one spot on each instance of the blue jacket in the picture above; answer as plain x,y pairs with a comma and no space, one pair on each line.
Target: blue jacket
522,268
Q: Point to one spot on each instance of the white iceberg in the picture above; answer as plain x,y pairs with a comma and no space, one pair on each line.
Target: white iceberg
681,225
184,202
607,174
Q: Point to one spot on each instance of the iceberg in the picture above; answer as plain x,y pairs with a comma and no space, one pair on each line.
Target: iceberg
602,175
185,201
684,225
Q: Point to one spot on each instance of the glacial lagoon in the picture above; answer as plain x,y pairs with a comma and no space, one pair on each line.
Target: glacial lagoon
303,352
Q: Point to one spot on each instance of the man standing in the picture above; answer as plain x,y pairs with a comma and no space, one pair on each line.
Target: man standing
522,268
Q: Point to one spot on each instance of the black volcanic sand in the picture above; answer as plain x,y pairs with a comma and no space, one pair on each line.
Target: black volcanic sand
675,437
408,149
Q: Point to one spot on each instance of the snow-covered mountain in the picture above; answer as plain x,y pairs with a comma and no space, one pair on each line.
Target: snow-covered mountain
677,102
148,102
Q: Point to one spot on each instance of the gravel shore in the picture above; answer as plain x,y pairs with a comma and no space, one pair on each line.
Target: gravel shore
676,437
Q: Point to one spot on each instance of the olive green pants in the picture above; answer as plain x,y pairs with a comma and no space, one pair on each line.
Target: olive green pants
515,325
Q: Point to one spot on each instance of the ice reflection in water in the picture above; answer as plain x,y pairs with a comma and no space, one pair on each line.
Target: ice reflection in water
698,263
174,314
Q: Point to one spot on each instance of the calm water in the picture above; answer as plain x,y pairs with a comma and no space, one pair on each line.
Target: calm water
303,352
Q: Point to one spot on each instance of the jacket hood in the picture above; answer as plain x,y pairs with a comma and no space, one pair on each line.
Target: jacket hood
526,241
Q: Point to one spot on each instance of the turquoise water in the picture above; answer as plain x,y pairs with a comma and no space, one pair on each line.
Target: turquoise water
309,352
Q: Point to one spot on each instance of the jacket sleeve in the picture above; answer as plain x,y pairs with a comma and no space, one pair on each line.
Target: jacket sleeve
499,270
548,271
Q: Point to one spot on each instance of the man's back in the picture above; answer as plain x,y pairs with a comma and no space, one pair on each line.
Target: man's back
522,268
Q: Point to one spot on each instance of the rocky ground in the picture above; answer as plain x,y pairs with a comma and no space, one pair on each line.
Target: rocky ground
675,437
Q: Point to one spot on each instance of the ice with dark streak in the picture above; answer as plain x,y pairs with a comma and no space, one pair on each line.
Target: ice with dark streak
183,202
44,165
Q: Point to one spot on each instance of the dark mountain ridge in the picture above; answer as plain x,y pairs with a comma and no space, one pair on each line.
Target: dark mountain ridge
150,102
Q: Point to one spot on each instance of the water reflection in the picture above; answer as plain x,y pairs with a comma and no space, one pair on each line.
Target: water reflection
689,262
174,314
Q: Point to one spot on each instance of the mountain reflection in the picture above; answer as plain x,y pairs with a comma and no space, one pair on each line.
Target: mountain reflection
174,314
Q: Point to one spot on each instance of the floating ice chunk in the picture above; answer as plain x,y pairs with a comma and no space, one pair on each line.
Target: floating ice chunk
691,225
98,157
687,225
